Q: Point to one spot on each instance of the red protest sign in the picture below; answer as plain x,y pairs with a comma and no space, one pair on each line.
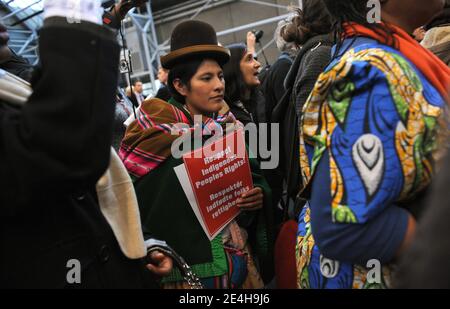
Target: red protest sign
219,174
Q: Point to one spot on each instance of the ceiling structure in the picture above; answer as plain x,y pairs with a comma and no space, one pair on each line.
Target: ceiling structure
23,18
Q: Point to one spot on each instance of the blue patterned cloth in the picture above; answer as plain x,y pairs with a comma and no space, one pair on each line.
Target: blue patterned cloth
383,127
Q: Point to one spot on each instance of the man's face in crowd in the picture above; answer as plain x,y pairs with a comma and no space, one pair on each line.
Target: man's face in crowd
5,52
163,76
138,87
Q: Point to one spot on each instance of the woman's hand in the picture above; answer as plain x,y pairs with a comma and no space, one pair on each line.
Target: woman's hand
251,200
160,265
251,42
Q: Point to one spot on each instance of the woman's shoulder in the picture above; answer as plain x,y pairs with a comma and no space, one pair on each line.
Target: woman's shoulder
368,53
369,69
315,60
163,112
316,47
373,63
154,105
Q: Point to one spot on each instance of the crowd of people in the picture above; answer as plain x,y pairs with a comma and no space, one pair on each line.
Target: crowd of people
358,199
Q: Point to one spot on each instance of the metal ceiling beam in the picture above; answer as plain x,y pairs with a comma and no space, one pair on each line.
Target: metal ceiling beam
23,20
189,13
278,6
184,7
14,13
253,25
182,4
30,40
165,46
244,27
149,50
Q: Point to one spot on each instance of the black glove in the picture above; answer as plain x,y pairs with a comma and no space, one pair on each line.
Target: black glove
127,5
117,13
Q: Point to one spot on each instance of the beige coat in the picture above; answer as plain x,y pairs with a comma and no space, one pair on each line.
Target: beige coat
437,40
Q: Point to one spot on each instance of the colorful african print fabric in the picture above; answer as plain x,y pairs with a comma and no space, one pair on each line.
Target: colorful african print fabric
384,127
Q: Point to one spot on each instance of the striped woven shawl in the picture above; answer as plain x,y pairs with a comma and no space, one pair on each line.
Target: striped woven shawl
148,140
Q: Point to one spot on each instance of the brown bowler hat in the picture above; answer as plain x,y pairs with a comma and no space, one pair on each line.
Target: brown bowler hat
194,38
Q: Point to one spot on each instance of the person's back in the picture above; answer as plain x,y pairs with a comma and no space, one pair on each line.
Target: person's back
273,83
359,132
309,30
163,92
53,149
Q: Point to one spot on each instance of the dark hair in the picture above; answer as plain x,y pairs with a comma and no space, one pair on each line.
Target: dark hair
235,86
183,71
310,21
355,11
136,81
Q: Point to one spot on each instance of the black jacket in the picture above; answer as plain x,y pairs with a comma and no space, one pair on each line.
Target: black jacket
273,84
309,63
52,152
163,93
272,88
18,66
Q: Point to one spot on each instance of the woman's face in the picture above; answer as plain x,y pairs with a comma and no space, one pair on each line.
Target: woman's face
410,14
250,69
206,92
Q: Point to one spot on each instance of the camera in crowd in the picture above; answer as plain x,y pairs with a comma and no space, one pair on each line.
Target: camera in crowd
125,63
258,34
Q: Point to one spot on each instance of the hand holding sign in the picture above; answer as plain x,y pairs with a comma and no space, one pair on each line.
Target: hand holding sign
251,200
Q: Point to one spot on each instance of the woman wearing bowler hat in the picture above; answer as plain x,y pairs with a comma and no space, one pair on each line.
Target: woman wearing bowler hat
197,86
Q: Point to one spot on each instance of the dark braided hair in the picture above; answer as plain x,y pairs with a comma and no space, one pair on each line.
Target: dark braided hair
184,71
355,11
